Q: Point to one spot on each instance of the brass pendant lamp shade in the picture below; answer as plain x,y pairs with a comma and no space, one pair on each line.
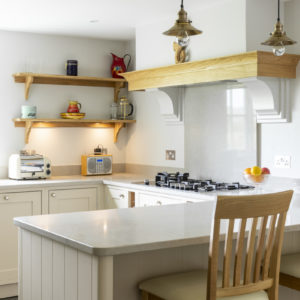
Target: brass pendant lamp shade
182,25
278,39
182,29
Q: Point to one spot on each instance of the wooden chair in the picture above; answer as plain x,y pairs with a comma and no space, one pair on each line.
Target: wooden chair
267,214
290,271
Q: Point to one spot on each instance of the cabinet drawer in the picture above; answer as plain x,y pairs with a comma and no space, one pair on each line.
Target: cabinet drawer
153,199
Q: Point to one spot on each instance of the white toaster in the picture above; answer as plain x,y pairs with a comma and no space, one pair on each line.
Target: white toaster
28,166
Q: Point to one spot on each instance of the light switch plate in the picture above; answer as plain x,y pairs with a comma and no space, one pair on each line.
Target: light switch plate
282,161
170,154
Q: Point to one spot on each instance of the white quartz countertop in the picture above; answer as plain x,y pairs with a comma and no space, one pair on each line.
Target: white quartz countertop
120,231
133,182
122,178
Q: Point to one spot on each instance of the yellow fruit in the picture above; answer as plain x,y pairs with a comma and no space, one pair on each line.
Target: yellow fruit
256,170
247,171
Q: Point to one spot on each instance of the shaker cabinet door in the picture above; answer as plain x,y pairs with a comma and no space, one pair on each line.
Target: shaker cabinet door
72,200
14,205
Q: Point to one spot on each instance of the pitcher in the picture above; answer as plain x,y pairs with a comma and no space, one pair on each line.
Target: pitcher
118,65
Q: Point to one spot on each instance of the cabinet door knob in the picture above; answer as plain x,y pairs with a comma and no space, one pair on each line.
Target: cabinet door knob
159,202
53,195
5,197
121,196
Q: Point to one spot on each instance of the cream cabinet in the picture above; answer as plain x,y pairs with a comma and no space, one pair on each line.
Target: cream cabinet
71,200
156,199
14,205
116,197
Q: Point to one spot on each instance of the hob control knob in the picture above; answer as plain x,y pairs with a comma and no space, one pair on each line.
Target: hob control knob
48,172
48,166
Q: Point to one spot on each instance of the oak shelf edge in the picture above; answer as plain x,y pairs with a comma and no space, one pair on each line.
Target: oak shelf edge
49,123
36,78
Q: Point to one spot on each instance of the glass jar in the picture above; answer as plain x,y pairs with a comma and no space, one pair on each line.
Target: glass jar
114,108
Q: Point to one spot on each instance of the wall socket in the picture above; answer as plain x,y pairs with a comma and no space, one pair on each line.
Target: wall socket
170,154
282,161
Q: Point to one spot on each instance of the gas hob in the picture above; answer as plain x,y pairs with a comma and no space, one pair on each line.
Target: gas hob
181,181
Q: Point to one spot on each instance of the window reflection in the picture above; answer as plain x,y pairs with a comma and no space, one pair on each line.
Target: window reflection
236,119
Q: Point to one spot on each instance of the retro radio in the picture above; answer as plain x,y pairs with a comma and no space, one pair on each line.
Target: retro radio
96,164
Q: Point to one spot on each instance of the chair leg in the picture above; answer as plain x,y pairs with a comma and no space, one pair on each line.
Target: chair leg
273,291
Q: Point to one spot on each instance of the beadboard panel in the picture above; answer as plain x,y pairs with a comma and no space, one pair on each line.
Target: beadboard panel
53,271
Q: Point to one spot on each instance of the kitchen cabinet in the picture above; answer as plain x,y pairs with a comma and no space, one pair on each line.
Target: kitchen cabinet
156,199
71,200
116,197
14,205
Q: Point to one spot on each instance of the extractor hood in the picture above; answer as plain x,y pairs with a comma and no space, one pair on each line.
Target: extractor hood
266,76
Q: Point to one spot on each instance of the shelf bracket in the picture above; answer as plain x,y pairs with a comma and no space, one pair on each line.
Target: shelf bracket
28,126
118,127
117,89
28,82
271,98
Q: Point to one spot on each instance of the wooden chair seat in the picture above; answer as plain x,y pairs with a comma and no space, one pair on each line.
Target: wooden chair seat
290,271
189,286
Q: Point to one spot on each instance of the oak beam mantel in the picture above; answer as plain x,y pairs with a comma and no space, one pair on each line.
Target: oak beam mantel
244,65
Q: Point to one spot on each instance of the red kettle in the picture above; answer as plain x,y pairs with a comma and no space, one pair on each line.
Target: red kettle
118,65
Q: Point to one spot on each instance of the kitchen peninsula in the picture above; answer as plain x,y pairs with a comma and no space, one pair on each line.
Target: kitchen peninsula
103,254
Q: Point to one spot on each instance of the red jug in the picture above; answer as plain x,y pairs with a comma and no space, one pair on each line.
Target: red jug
118,65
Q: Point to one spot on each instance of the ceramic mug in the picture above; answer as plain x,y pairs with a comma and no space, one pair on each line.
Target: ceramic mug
74,107
28,112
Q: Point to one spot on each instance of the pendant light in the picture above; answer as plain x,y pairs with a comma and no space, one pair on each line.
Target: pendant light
182,30
278,39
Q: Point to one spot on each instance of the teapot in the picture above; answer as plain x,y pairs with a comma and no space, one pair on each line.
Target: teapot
118,65
125,109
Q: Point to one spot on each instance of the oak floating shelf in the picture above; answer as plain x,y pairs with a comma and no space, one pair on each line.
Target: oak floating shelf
48,123
32,78
245,65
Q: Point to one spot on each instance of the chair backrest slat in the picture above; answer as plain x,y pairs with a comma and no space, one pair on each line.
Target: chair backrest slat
213,263
259,248
239,253
261,256
250,251
227,254
269,245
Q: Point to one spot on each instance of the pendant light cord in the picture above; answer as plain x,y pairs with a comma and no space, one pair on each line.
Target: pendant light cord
181,4
278,19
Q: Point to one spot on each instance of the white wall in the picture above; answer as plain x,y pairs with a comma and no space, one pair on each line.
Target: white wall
260,20
223,26
23,52
283,139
